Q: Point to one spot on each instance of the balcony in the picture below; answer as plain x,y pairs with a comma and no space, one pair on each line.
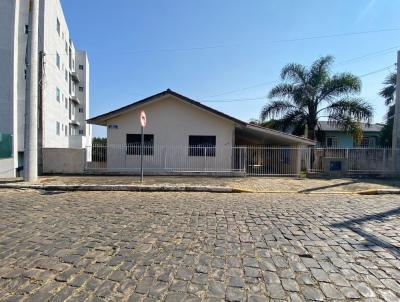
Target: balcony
74,76
75,99
74,122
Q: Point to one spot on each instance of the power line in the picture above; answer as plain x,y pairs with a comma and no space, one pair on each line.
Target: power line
376,53
264,97
377,71
218,46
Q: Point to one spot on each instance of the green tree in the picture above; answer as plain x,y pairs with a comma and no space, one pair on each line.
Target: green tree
307,94
388,93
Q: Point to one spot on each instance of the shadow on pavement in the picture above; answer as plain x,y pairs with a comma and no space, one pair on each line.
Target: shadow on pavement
328,186
353,225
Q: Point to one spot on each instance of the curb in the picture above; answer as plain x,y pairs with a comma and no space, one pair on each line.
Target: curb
129,188
181,188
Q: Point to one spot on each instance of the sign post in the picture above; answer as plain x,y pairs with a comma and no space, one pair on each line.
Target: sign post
142,124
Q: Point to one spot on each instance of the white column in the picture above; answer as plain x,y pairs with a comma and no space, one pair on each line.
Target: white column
396,122
31,97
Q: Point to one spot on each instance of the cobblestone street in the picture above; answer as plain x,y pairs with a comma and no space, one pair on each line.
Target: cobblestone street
121,246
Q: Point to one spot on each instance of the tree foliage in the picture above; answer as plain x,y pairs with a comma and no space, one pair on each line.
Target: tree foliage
309,93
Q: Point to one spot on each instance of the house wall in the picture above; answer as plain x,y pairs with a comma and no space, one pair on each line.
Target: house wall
345,140
63,161
171,121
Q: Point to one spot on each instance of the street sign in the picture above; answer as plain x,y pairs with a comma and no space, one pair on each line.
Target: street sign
143,120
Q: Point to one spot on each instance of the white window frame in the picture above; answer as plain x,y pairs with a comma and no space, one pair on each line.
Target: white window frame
335,141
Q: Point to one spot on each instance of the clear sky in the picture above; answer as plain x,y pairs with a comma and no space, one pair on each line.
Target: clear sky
227,50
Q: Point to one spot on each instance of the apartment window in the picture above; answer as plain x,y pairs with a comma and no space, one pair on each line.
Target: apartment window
66,103
81,88
66,75
80,131
81,110
58,26
66,130
66,46
58,60
80,67
202,145
331,141
58,128
133,143
58,94
26,28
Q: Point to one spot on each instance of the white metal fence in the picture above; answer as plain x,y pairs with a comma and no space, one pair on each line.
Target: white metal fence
238,160
359,161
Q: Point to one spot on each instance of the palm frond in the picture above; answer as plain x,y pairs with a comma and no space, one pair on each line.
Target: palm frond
339,84
276,108
353,108
295,73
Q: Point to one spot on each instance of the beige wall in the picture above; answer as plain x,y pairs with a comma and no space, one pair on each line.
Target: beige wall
63,160
7,169
171,121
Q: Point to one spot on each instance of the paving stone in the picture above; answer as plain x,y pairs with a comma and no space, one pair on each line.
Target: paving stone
312,293
363,289
331,291
178,246
290,285
235,294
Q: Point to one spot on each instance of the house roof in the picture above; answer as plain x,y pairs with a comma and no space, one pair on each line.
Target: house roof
333,126
102,119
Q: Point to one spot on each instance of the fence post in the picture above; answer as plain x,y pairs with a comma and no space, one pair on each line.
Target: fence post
205,158
298,163
165,157
245,160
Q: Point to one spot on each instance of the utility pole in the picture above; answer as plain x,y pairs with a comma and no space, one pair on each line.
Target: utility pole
31,96
396,120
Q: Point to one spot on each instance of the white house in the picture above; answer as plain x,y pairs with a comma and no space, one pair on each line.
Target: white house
183,135
63,85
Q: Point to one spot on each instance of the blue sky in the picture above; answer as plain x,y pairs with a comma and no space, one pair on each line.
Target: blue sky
226,50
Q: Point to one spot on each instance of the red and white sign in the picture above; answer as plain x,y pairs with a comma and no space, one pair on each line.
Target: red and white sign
143,120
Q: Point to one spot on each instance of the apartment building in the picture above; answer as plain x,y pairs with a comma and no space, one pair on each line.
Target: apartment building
63,83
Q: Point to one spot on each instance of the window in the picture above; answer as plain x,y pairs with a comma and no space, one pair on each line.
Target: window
81,131
200,145
66,75
369,142
58,60
81,110
66,103
133,143
26,28
58,94
331,142
58,26
58,128
66,130
80,88
66,46
80,67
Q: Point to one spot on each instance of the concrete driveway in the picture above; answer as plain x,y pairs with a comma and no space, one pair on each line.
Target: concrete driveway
121,246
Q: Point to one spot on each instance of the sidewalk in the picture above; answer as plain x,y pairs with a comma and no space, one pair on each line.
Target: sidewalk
246,183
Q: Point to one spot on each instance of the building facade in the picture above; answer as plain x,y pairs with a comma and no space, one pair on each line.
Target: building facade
63,82
186,136
332,136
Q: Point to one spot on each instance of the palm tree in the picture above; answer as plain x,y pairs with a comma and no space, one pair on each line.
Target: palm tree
308,94
388,93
